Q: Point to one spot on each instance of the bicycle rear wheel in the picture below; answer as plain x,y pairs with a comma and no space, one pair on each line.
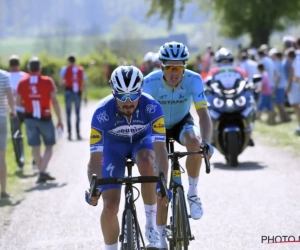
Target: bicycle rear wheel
180,225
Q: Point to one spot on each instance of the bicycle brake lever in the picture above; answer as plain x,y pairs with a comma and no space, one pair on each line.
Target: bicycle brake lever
163,185
207,163
93,186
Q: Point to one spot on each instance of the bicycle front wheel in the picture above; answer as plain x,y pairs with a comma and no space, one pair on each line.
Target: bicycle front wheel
131,232
180,222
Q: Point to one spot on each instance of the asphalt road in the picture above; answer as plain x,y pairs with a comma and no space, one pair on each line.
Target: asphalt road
259,198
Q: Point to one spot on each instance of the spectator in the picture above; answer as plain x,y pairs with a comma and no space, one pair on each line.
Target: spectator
15,75
265,97
248,65
36,93
156,64
147,66
5,94
208,57
293,87
279,86
199,65
73,78
288,42
264,48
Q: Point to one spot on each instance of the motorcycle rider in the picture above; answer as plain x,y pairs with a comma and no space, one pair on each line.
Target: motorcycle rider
226,72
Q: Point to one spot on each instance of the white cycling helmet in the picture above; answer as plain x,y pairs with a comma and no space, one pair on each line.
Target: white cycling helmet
148,56
173,51
224,55
126,79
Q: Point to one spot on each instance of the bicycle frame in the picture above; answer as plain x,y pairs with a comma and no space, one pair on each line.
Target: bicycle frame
175,181
129,199
129,205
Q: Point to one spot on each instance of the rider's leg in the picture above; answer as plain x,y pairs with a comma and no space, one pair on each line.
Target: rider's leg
193,162
144,161
191,139
144,158
113,165
109,217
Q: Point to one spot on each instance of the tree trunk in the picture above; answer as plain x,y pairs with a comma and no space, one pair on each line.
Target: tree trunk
260,36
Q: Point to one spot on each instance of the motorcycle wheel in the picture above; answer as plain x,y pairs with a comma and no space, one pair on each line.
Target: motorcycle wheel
233,149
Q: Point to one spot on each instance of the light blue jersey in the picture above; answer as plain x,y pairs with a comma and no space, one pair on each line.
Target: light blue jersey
176,102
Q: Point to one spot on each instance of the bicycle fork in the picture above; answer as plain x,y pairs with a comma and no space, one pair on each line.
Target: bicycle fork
137,233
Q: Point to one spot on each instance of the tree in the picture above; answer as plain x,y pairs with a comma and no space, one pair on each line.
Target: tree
257,18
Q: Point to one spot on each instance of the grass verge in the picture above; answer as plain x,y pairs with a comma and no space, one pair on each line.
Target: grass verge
279,135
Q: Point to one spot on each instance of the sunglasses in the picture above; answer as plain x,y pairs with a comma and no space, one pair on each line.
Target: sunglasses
171,67
124,96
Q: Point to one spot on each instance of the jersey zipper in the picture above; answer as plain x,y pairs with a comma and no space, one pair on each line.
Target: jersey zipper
171,106
129,123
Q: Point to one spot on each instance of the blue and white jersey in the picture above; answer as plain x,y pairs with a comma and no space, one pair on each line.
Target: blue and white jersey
109,125
176,102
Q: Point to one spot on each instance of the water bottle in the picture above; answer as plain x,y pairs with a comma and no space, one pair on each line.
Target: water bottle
60,131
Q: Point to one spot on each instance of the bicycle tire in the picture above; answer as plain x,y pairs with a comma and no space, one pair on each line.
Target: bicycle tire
17,139
20,150
180,236
129,231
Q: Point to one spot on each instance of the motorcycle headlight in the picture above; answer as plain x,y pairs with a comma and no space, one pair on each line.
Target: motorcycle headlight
240,101
229,103
218,103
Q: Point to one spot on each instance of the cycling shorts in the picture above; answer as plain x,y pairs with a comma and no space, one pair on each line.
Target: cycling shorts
186,124
114,155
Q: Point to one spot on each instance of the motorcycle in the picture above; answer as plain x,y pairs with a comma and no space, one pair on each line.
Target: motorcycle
233,114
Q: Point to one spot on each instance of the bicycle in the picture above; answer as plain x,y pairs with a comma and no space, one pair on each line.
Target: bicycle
17,139
131,232
178,231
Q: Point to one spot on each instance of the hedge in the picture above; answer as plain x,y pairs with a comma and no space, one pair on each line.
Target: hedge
92,63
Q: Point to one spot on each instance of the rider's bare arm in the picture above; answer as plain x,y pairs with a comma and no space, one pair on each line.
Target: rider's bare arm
161,156
95,165
205,124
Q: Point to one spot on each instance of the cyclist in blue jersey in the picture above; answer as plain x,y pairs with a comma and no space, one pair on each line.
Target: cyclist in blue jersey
175,87
127,123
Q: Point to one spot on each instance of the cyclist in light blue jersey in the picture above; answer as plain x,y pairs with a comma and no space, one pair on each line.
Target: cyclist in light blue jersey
175,87
127,123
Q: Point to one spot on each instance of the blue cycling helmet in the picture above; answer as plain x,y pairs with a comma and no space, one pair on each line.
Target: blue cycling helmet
173,51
